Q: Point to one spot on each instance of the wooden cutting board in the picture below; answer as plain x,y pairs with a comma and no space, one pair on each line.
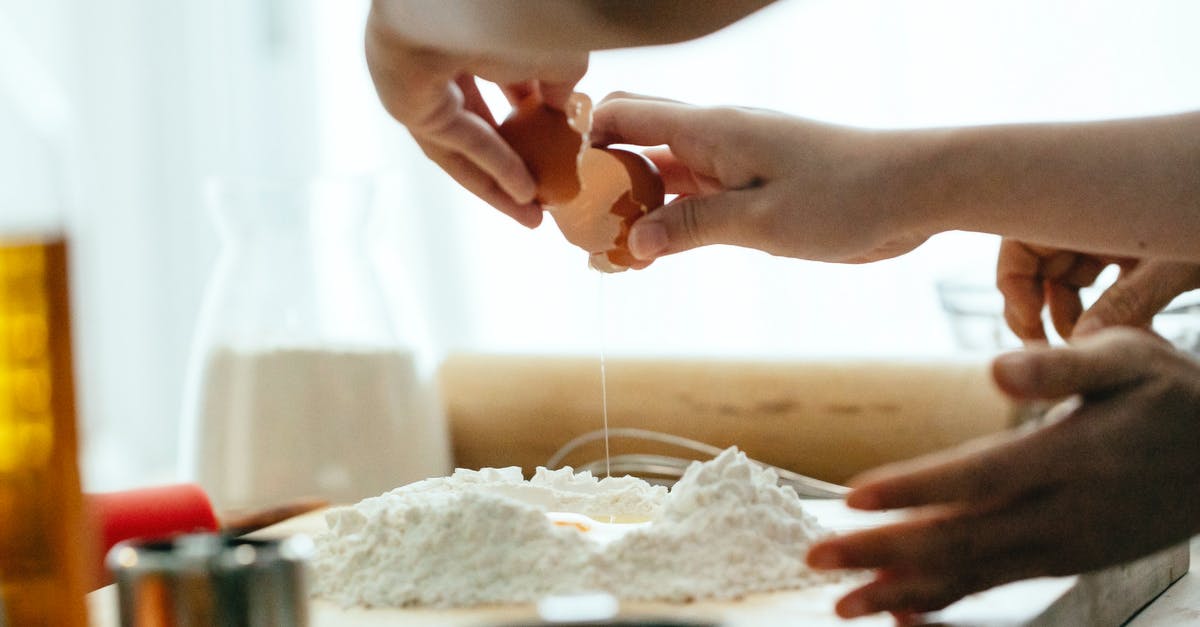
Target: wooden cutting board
1106,597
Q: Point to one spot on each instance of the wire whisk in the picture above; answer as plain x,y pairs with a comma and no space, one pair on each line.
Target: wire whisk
665,469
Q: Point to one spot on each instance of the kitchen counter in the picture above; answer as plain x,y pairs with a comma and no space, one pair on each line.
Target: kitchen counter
1179,604
1092,599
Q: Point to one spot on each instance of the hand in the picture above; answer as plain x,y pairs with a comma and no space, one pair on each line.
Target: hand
761,179
433,92
1112,480
1031,277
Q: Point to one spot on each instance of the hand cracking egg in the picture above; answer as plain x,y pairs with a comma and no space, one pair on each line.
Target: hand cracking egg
594,194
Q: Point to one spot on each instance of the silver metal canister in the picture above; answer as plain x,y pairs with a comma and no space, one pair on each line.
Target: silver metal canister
203,580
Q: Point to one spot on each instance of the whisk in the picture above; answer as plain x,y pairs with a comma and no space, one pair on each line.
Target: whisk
665,470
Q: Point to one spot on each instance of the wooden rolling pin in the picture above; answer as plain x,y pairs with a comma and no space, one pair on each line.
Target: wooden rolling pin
827,419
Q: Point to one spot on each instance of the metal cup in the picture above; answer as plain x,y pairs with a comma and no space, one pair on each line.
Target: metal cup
208,579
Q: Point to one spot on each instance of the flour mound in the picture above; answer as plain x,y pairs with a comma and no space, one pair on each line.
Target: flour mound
726,529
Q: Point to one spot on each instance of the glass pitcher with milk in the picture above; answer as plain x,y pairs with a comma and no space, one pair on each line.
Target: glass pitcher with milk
300,385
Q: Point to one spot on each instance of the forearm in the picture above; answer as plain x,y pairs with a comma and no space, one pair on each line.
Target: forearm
540,26
1122,187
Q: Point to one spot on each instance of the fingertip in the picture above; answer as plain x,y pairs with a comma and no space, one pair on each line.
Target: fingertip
529,216
648,239
824,556
865,498
1025,323
1014,373
853,605
557,95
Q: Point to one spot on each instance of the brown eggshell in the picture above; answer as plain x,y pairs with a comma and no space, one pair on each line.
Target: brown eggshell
594,194
617,188
549,142
646,194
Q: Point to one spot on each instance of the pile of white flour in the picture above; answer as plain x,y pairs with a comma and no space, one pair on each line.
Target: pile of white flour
724,530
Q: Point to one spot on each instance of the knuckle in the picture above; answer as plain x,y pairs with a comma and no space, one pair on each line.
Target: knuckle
1120,305
764,224
690,222
738,133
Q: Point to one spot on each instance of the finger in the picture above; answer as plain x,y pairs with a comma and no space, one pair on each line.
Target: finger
984,471
473,100
694,221
459,131
1083,271
476,181
653,122
911,595
929,592
1138,294
1093,365
1065,306
951,538
1062,287
712,142
516,93
678,178
1018,276
556,93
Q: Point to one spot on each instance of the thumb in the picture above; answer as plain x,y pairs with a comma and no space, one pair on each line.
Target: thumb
1138,294
1108,360
693,221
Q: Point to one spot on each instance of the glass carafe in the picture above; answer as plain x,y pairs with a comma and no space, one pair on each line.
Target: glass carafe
300,384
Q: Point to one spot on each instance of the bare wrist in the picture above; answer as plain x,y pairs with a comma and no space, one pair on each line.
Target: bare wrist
912,180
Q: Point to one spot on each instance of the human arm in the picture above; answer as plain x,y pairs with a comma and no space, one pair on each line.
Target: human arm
1036,277
424,58
817,191
1039,503
507,26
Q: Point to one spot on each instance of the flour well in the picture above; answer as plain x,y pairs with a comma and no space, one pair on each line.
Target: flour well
726,529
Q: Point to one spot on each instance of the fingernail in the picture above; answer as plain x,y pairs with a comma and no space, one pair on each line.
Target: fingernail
525,192
824,557
854,607
526,197
647,239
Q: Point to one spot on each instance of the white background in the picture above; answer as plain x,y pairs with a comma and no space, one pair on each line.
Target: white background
156,96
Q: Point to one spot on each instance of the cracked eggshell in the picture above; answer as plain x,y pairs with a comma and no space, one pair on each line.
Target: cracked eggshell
618,187
593,194
550,143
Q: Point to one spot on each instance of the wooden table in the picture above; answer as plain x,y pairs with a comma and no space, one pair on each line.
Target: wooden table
1108,597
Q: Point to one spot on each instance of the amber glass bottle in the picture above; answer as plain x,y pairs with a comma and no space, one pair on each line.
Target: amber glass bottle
41,530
